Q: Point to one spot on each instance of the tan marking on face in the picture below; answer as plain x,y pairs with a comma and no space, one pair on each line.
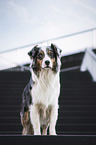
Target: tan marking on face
39,61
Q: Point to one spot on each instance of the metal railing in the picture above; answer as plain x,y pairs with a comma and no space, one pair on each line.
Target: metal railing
89,63
53,39
70,43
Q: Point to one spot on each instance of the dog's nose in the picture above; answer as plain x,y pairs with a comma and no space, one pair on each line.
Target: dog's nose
47,62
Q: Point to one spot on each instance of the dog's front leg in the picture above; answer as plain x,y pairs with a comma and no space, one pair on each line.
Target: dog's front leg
53,119
34,116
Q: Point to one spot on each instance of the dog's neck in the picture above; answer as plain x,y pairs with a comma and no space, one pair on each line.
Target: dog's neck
46,87
46,77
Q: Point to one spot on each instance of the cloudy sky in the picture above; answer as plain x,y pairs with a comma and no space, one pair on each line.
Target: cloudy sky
24,22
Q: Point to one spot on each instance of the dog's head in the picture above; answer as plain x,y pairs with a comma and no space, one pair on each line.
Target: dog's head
45,58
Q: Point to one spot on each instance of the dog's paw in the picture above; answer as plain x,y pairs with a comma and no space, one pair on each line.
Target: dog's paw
53,133
37,133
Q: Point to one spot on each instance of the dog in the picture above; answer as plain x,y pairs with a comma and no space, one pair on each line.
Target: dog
40,96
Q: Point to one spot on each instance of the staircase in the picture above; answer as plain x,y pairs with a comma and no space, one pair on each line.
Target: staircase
77,103
77,113
11,88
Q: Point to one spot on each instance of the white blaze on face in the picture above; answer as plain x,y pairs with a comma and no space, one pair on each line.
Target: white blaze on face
46,58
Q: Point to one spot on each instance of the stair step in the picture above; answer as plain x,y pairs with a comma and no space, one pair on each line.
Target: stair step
79,96
77,103
77,127
76,76
12,126
82,120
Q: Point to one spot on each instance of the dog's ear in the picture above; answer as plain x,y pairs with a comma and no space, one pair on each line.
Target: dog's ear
56,50
33,52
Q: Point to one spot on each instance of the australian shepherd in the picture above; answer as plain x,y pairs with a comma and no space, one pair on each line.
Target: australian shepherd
40,96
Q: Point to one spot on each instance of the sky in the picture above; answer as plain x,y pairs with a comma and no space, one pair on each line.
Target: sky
24,22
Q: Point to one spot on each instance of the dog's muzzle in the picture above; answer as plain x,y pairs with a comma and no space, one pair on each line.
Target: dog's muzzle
47,64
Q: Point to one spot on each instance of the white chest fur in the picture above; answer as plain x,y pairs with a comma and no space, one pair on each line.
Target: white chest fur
46,88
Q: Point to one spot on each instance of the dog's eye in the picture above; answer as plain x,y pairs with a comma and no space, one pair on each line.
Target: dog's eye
51,54
40,56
